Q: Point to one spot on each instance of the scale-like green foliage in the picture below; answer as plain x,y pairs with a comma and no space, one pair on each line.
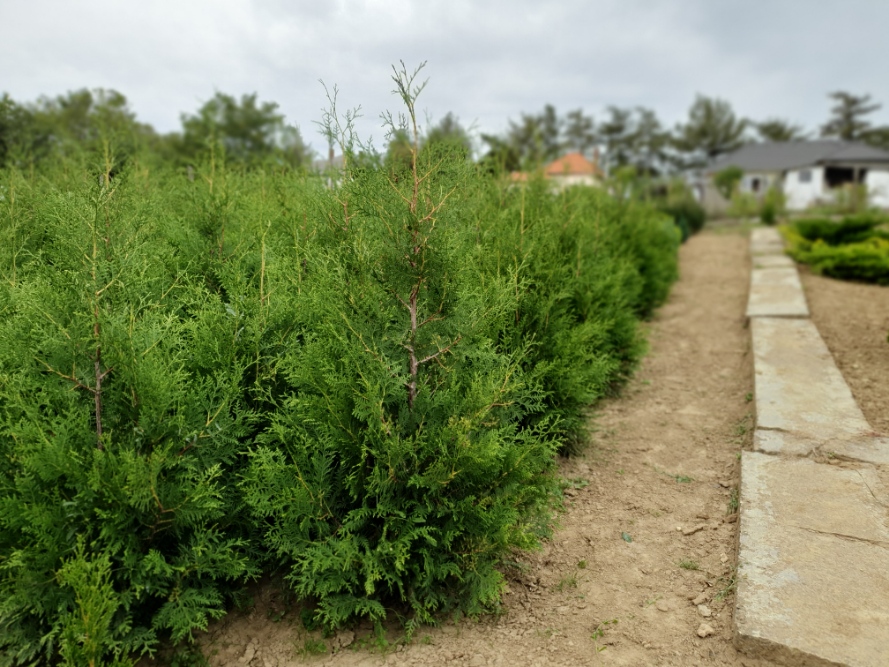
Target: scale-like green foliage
107,440
584,269
360,381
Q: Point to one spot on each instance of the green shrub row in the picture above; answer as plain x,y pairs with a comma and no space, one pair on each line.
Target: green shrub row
362,386
855,248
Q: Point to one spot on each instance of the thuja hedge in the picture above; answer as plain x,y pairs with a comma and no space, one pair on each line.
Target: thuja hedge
363,385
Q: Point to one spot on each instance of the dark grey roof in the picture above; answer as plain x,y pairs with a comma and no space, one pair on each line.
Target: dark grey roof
781,156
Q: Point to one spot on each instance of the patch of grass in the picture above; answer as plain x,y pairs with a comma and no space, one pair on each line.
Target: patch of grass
313,647
599,633
733,501
581,565
188,655
728,585
689,565
742,428
680,479
748,397
566,582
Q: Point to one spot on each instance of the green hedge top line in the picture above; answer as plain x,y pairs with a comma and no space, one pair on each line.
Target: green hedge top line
362,385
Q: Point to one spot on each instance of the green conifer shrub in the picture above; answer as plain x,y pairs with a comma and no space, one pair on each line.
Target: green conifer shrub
396,471
585,268
359,380
115,460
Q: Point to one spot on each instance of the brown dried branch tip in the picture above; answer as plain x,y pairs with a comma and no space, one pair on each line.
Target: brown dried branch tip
408,90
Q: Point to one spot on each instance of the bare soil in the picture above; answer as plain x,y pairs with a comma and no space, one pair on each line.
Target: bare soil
853,319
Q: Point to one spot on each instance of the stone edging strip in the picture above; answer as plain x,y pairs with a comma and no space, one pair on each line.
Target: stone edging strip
813,556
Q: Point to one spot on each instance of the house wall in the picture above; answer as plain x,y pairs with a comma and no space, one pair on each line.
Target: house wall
798,192
764,180
567,180
877,181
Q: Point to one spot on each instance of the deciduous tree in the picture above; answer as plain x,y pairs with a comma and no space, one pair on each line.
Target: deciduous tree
251,131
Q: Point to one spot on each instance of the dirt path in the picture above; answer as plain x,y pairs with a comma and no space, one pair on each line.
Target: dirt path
648,528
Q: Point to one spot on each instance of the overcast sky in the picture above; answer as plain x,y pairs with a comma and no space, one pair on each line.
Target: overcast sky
487,61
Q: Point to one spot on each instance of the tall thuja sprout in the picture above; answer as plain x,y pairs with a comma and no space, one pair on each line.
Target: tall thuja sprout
395,473
113,456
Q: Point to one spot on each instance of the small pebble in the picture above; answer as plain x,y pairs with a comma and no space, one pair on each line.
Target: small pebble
695,529
662,605
704,610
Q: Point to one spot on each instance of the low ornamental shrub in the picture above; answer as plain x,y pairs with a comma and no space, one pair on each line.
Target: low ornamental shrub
687,213
855,248
772,206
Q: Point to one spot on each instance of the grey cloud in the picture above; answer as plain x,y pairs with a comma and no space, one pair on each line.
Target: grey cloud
488,61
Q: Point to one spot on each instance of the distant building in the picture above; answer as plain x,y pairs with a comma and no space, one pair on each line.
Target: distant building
808,172
568,170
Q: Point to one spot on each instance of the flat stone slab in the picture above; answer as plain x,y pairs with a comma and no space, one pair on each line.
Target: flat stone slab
799,389
813,563
773,262
766,241
776,292
867,448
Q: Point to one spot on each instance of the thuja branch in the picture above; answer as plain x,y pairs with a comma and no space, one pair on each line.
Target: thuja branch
96,391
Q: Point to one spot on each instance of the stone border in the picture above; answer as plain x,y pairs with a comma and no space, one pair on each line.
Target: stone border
813,555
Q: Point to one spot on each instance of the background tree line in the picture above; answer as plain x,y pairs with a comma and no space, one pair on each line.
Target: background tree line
253,132
250,131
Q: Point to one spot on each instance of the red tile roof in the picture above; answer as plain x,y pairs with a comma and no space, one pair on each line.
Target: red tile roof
573,164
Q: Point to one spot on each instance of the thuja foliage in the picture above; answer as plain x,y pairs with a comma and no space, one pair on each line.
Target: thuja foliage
360,381
855,248
585,268
117,518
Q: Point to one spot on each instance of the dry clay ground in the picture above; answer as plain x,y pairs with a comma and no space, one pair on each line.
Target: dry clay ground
644,557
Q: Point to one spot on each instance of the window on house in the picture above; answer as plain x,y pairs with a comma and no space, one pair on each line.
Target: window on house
754,184
836,177
805,176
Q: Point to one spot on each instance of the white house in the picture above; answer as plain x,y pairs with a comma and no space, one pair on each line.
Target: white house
808,172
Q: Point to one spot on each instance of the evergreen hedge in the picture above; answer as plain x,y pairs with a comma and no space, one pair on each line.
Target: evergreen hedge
364,386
